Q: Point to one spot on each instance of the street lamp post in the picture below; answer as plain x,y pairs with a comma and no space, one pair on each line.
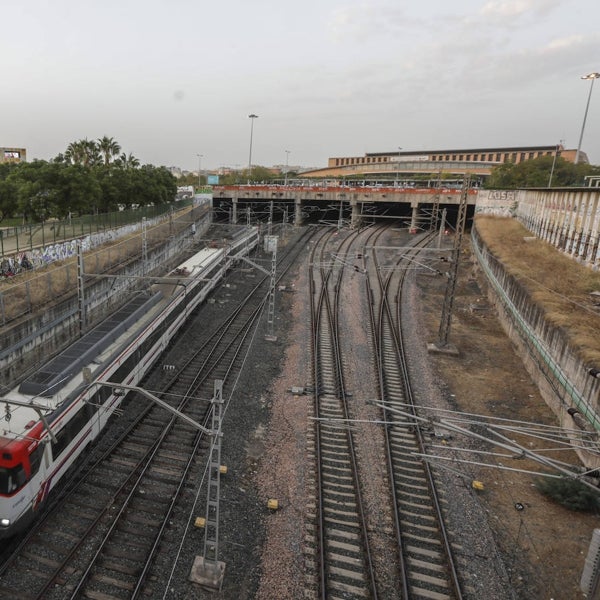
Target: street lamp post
199,168
398,171
287,158
554,163
251,117
591,76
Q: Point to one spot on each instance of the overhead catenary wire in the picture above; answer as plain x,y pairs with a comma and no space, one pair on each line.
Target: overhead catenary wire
431,458
502,442
488,453
550,432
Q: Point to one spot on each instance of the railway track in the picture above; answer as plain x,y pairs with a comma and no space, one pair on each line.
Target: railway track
344,552
425,553
344,568
108,534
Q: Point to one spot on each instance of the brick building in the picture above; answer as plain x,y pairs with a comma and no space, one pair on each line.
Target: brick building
13,155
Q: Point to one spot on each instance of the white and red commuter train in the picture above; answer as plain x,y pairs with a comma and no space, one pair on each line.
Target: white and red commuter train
49,420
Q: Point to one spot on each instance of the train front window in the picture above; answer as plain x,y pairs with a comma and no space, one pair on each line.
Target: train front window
11,479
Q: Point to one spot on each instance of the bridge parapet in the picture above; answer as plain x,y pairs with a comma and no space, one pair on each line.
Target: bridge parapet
341,193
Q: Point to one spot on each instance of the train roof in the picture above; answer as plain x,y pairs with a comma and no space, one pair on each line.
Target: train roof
57,372
48,387
192,266
51,385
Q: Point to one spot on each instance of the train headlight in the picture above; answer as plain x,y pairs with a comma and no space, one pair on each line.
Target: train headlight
4,522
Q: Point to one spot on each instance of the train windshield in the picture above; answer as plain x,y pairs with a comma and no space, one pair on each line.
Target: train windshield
11,479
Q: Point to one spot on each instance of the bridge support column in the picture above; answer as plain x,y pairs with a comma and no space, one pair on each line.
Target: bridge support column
234,214
414,219
297,212
355,219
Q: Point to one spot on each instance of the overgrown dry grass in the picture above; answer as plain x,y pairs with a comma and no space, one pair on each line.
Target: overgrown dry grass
556,282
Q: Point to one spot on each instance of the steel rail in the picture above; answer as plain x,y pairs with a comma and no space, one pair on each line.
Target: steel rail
330,397
393,370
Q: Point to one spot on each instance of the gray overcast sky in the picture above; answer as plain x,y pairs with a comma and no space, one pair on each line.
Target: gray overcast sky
170,79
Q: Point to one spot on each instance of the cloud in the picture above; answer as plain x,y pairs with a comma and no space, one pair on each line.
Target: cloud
369,21
508,10
572,41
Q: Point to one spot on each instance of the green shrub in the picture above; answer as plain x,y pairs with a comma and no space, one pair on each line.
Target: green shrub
570,493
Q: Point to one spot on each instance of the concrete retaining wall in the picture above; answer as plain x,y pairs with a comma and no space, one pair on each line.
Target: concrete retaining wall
26,345
569,219
562,377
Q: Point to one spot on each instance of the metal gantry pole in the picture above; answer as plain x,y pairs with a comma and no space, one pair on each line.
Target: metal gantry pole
80,288
435,209
442,226
144,245
446,318
271,307
211,531
208,570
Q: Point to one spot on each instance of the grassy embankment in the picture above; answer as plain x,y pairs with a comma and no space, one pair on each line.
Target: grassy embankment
556,282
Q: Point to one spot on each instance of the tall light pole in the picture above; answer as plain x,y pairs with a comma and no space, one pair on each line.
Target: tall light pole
398,171
199,167
591,76
287,158
554,162
251,117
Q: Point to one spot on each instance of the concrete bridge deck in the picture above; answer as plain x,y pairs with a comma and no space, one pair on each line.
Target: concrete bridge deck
365,194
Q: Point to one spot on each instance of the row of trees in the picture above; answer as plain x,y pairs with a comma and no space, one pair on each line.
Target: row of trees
257,173
105,151
537,172
90,176
96,176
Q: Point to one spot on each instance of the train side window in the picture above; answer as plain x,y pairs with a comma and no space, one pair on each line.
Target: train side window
35,459
60,444
5,480
66,435
104,394
98,399
12,479
20,475
90,411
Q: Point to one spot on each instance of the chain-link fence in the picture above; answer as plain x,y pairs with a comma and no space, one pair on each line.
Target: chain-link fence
18,239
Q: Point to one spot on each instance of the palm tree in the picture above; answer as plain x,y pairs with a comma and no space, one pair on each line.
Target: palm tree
128,162
91,153
109,149
74,153
83,152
